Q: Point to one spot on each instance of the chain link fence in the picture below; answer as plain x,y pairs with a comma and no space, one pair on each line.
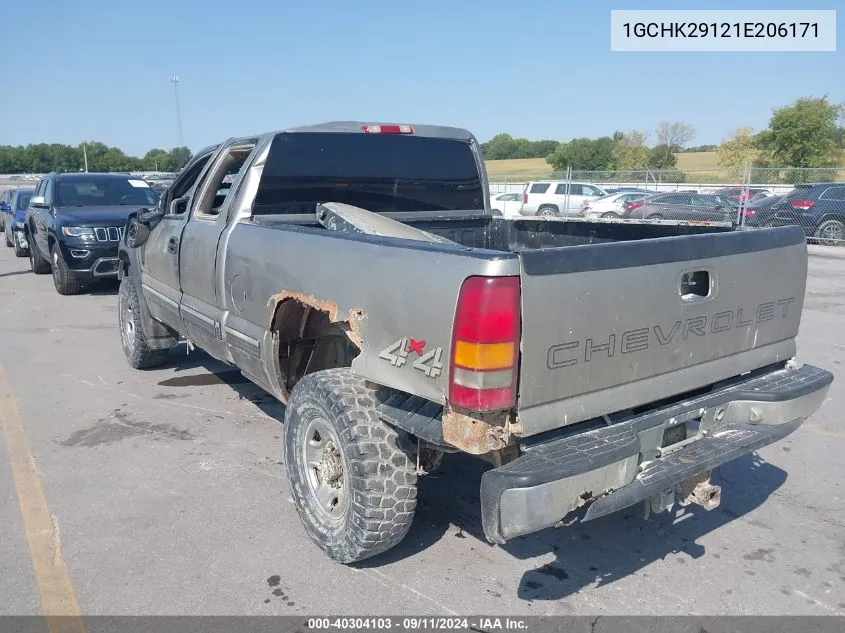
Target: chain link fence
748,197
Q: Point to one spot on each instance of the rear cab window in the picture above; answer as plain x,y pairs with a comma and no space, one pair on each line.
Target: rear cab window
386,173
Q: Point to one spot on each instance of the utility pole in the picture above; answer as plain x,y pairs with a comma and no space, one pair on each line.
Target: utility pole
85,156
175,81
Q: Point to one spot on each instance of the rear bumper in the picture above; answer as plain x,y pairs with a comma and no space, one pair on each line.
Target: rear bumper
618,465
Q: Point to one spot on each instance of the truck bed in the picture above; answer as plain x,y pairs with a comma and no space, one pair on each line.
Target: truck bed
513,236
614,315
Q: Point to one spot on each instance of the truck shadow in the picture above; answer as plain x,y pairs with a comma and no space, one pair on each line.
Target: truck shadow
197,369
587,554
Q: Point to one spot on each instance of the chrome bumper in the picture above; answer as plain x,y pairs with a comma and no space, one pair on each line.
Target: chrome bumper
620,464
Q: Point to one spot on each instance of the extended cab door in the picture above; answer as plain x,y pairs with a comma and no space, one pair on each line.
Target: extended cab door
202,305
160,255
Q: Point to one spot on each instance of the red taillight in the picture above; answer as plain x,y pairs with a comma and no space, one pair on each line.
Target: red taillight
634,205
485,344
525,198
802,204
388,129
749,212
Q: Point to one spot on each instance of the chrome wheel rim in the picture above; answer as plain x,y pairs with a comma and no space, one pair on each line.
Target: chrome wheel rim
832,232
325,469
56,267
127,324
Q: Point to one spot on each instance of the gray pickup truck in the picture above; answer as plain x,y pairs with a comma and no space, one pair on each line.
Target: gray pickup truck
355,272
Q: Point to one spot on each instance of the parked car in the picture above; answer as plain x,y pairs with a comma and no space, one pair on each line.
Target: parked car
817,208
741,194
5,205
549,199
14,215
691,207
355,271
74,223
609,206
629,190
506,204
760,213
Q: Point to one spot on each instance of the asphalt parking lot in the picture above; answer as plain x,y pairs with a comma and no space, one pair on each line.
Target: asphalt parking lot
163,493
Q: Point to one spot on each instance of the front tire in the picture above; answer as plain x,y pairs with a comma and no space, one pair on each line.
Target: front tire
38,264
610,214
132,338
352,476
548,211
62,277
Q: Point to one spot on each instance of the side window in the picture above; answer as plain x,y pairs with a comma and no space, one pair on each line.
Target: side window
218,185
539,187
589,190
560,190
183,185
48,192
675,198
834,193
577,190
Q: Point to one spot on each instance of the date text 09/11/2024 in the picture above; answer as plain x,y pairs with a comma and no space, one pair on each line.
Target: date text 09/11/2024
410,623
721,30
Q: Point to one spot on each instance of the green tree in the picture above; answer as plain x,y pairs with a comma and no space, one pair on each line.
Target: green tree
583,153
672,136
178,157
741,146
630,151
663,156
804,134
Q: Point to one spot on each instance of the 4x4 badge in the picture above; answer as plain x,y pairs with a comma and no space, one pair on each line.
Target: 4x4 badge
428,362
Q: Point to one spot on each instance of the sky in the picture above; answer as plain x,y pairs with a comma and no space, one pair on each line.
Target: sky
100,70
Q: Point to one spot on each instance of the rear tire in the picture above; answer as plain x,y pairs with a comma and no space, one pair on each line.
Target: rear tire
655,216
132,338
38,264
548,211
62,277
352,477
830,232
610,214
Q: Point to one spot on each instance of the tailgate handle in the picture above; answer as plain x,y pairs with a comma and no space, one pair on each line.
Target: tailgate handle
694,285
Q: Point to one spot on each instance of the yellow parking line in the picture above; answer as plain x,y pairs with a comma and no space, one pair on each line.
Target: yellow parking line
57,595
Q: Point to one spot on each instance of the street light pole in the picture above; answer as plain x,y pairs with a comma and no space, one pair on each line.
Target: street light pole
175,81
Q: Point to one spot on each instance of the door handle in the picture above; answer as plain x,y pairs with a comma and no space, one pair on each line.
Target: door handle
172,243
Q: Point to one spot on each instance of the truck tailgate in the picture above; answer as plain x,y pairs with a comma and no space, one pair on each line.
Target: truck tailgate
612,326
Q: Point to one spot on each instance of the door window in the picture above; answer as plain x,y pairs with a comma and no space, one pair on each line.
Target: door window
219,184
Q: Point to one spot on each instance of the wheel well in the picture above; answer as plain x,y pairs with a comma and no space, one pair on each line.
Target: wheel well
305,340
50,241
831,216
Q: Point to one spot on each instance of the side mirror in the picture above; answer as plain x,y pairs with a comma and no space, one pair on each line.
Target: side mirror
39,202
137,232
179,205
5,207
147,215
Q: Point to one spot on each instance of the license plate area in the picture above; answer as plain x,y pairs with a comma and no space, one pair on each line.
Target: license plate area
674,434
